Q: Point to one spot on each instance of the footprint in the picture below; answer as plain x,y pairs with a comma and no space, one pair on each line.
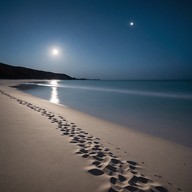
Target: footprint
111,168
140,179
96,163
132,163
113,180
96,172
160,189
158,176
85,155
100,155
115,161
121,178
131,188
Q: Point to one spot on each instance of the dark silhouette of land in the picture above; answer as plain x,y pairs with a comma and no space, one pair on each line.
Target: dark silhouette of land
13,72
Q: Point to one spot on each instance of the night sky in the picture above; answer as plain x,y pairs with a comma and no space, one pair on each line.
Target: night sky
95,39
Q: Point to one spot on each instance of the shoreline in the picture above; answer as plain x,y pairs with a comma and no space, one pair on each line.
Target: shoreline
158,121
162,161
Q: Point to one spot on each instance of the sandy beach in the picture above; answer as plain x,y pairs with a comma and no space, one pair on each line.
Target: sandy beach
49,147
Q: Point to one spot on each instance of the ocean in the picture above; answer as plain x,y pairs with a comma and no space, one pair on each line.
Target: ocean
159,108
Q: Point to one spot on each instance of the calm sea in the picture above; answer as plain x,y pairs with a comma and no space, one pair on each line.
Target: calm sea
160,108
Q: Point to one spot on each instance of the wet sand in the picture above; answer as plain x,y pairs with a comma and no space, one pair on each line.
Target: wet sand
47,147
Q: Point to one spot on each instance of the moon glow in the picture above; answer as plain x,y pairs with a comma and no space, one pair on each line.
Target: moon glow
131,23
55,52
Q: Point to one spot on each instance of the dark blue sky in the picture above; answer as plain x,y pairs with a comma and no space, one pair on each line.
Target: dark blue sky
95,39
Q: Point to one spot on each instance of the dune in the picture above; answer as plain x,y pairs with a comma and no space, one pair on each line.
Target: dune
49,147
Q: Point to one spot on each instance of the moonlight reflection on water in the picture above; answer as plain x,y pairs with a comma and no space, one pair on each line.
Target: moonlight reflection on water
54,93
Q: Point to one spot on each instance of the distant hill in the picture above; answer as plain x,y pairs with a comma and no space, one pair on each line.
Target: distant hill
12,72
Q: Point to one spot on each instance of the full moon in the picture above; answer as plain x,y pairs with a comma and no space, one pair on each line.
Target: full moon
55,52
131,23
